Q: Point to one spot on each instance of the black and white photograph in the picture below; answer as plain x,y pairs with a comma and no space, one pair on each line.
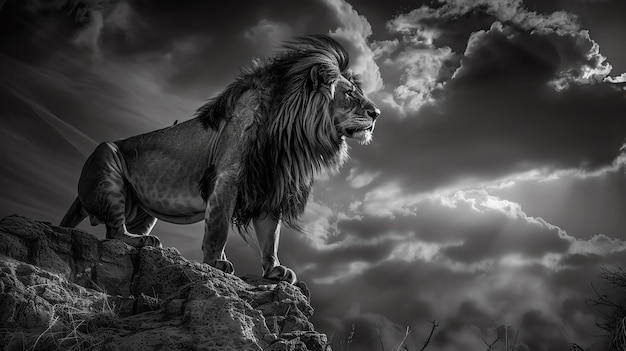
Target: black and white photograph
313,175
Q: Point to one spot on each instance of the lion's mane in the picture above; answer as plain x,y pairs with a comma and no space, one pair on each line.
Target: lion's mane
293,136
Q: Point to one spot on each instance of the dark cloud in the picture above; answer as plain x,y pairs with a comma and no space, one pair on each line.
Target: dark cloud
197,47
468,305
499,116
366,331
206,44
32,30
581,260
162,23
600,17
535,323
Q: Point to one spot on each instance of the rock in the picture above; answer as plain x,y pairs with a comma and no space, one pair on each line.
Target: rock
62,288
114,269
36,304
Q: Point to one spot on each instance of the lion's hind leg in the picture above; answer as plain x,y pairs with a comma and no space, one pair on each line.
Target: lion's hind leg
134,232
131,239
142,224
105,196
140,227
136,229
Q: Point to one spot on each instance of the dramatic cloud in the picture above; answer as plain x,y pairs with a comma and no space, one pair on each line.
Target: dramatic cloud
485,257
502,94
416,63
581,61
430,39
354,32
512,11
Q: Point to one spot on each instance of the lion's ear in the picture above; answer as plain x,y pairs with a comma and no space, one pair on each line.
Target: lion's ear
320,77
316,78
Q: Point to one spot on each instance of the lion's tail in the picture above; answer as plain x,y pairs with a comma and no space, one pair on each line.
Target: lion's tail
74,215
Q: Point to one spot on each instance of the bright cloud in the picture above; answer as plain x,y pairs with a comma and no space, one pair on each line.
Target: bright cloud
387,201
415,61
503,10
359,179
354,32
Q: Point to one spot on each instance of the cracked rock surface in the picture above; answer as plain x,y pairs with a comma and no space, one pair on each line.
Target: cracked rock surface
63,289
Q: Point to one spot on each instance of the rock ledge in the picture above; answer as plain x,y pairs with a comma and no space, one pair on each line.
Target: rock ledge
64,289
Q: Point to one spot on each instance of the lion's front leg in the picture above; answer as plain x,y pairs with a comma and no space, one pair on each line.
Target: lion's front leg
220,205
267,228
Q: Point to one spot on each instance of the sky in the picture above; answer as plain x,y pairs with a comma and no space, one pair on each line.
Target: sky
491,196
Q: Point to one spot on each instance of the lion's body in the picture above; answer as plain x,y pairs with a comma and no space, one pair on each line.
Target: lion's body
165,170
172,170
249,156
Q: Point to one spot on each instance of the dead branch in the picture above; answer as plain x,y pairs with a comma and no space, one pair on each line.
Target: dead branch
611,309
514,340
432,330
490,346
406,335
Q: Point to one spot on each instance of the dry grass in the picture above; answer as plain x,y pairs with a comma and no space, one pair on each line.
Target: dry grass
344,345
73,325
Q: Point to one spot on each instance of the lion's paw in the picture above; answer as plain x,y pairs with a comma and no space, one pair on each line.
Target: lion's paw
281,273
141,240
151,240
223,265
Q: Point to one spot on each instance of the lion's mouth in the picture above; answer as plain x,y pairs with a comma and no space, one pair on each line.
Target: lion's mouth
363,135
352,131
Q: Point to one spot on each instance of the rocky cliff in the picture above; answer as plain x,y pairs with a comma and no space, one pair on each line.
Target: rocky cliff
64,289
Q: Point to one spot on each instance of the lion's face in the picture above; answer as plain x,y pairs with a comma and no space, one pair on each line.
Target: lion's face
354,114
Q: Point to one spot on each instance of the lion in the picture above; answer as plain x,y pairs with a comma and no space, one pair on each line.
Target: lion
248,156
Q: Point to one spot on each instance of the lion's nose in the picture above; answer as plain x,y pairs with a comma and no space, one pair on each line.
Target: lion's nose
374,113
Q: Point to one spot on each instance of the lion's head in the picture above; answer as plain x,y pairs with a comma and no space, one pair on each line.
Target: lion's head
309,102
354,114
321,83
